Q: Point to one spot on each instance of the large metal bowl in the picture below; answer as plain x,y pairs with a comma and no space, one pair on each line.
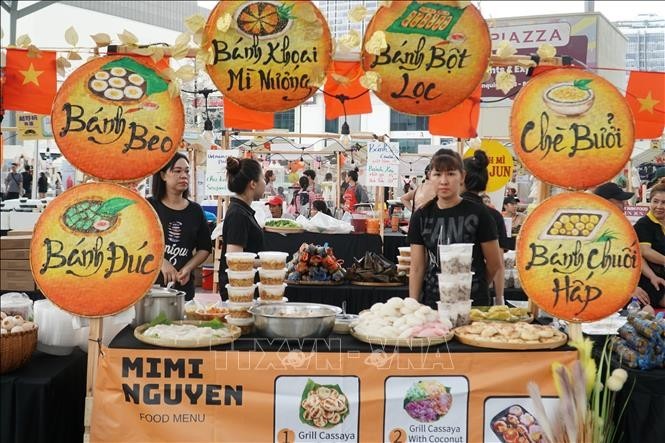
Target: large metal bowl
294,320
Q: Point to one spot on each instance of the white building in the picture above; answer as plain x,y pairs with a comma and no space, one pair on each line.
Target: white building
646,42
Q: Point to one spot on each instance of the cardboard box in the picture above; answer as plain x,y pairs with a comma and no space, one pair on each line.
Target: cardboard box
14,254
15,242
16,232
18,265
11,280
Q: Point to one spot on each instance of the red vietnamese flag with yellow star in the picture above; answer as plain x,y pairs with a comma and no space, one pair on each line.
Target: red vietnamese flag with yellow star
646,97
30,83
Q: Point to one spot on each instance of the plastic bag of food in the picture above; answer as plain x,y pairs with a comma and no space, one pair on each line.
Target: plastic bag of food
17,303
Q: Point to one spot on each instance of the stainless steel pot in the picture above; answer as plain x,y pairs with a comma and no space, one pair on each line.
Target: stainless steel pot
294,320
158,300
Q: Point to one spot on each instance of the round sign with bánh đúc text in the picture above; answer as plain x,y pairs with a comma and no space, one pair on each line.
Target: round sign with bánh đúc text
96,249
113,119
267,55
572,128
429,55
578,257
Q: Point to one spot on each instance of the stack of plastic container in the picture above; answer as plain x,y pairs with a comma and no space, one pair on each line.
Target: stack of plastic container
404,260
455,282
272,274
241,288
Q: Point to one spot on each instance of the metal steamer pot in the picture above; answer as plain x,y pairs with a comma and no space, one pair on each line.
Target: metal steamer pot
158,300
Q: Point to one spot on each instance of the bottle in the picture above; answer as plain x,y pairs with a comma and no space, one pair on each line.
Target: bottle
633,306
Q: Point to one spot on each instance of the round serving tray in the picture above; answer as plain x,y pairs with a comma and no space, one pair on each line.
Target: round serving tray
416,342
558,340
180,343
314,283
377,284
284,230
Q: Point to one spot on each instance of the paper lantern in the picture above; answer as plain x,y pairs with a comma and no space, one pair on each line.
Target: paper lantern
578,257
572,128
96,249
113,119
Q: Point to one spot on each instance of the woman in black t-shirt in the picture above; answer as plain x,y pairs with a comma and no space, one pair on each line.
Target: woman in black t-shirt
241,232
650,231
186,233
450,219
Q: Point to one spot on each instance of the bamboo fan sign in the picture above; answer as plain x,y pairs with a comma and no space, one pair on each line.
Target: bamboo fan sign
429,56
267,55
569,120
96,249
114,119
500,169
578,257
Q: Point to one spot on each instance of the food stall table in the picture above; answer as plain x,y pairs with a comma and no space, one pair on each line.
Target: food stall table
644,417
44,400
345,246
146,393
392,241
357,298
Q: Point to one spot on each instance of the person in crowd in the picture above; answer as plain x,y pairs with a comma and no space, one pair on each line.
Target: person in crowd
280,192
328,177
319,206
276,207
416,198
27,181
510,210
343,186
13,183
511,191
618,197
311,176
487,200
241,232
355,193
270,178
304,197
450,219
186,232
42,185
475,183
58,184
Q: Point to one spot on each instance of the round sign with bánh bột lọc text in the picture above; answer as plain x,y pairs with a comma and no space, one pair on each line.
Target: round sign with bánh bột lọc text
578,257
113,118
267,55
96,249
572,128
430,56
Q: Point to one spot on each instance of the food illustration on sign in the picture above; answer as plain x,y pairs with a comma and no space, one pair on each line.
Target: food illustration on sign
570,99
264,19
323,406
91,216
576,223
427,401
516,424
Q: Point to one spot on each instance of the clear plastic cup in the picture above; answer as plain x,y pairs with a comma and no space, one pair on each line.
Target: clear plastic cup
462,248
272,277
243,279
273,260
271,292
404,260
455,287
455,262
240,261
457,313
241,294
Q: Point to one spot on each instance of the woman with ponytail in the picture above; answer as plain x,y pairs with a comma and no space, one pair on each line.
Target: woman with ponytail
241,232
186,233
475,183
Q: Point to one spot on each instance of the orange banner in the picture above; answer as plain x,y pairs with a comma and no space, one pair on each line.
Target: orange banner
291,396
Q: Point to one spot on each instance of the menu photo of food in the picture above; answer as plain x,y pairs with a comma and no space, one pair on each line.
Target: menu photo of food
323,406
427,401
511,420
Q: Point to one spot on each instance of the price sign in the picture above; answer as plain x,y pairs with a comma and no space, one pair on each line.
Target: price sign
216,183
383,164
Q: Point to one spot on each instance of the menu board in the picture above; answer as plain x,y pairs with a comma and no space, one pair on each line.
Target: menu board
500,169
383,164
216,183
267,55
430,55
96,249
578,257
572,128
114,119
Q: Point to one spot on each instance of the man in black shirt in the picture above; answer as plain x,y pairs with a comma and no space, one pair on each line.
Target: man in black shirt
27,181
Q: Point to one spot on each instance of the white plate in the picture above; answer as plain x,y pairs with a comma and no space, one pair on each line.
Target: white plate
518,303
606,326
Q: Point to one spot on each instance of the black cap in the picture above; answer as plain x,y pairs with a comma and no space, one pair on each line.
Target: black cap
509,200
612,190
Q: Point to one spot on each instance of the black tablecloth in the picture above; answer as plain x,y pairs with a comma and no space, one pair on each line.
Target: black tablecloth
44,400
392,241
345,246
644,417
357,298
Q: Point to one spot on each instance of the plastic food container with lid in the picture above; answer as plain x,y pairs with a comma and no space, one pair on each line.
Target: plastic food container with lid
273,260
272,277
271,292
241,294
241,278
240,261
